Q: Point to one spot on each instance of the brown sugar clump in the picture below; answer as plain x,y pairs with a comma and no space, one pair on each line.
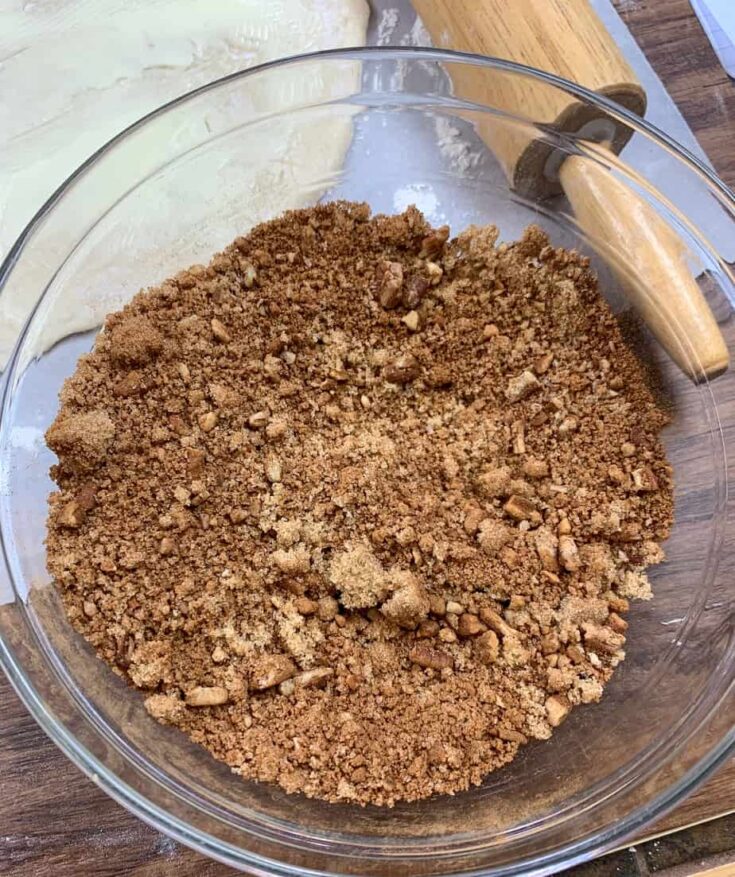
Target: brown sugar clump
360,580
409,603
134,340
358,506
81,439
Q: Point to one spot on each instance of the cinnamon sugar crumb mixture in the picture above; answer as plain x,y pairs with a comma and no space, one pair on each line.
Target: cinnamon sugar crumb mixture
360,507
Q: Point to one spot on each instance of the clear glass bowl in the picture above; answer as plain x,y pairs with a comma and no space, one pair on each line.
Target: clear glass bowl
383,126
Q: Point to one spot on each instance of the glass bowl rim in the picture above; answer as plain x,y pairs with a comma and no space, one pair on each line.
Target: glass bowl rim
157,816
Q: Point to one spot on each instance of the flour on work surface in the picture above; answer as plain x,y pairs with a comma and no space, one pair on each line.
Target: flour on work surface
454,147
386,26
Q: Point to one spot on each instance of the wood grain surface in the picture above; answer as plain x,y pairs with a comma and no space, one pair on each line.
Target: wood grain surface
54,822
565,37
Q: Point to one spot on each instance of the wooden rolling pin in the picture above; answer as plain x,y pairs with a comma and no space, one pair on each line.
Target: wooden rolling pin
567,38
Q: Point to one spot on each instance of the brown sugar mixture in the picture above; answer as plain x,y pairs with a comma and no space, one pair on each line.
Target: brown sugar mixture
359,507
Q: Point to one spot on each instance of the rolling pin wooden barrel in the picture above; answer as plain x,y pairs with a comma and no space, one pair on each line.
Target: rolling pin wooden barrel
565,37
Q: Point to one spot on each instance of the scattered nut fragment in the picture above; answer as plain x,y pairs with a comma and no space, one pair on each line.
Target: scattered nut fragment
208,421
487,647
273,469
518,436
433,244
470,625
72,515
521,509
219,655
412,321
414,291
426,656
564,528
542,364
401,370
219,331
510,735
602,640
568,425
427,629
644,481
249,276
276,429
447,635
203,695
270,670
258,420
167,546
568,554
390,282
434,272
495,622
454,608
627,449
547,546
535,468
616,474
316,678
557,709
522,386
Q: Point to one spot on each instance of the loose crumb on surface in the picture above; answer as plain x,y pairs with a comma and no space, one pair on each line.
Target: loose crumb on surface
358,506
